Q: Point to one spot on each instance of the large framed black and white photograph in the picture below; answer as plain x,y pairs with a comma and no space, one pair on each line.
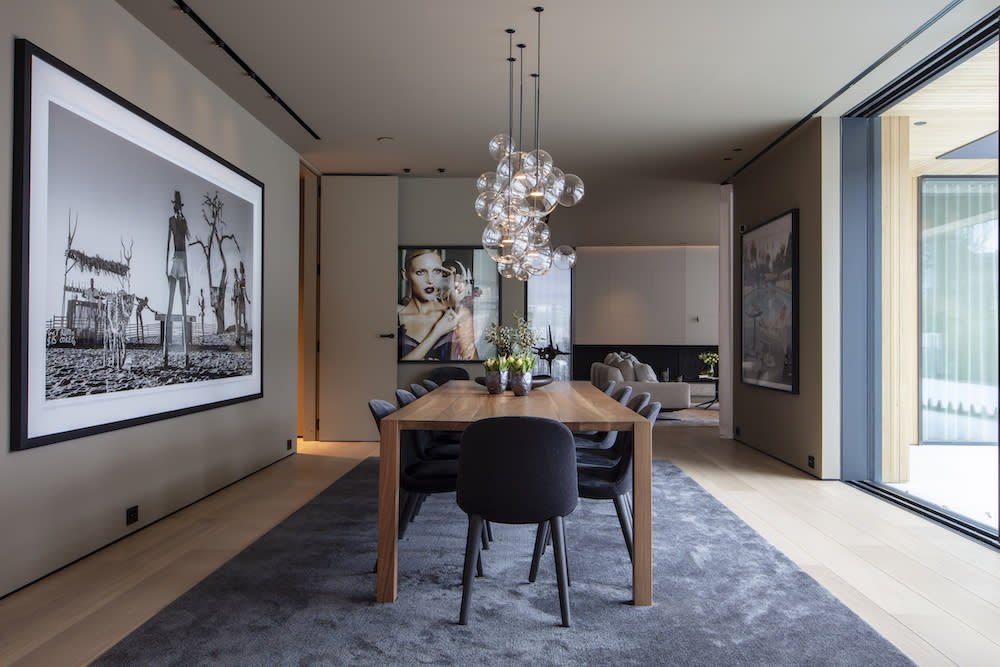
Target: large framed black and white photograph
137,264
447,298
770,306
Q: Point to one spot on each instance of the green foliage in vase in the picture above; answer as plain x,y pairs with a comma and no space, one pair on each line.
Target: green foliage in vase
497,363
523,364
709,358
511,341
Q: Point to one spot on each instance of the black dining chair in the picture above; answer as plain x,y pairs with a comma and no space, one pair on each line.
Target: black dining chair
639,401
418,390
517,470
615,483
443,374
610,387
430,447
601,482
430,385
418,477
603,439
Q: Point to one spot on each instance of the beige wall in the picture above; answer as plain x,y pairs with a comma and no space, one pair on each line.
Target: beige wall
62,501
438,211
787,426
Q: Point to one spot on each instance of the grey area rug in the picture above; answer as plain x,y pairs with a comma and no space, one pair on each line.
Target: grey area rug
689,417
303,594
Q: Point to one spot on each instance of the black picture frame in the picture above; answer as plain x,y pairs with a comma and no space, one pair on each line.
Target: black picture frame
769,304
474,309
107,261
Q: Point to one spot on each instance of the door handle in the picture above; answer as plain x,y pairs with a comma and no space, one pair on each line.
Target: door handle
389,335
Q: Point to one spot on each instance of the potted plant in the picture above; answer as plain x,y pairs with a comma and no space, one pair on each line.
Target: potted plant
512,343
711,360
496,373
520,373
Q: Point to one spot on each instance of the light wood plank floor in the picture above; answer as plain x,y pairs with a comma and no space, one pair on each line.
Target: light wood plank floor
934,594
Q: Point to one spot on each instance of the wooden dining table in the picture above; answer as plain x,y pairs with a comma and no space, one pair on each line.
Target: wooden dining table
458,403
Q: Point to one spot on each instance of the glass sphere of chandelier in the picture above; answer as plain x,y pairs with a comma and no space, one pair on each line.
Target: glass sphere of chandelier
516,199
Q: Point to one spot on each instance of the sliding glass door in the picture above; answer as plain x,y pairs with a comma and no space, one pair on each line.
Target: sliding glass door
920,177
954,463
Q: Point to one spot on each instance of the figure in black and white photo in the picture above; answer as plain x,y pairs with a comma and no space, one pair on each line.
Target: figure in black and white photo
240,301
201,305
177,272
140,305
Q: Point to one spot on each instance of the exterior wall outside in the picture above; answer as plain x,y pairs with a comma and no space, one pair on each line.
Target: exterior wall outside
60,502
786,426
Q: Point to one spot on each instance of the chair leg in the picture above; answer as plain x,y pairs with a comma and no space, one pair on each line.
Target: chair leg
539,550
420,503
406,512
472,547
625,519
562,572
483,537
489,531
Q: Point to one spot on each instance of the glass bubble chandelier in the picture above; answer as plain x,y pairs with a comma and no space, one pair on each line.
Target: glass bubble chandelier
517,198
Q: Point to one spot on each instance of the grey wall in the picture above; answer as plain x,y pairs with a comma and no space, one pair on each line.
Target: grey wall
784,425
62,501
438,211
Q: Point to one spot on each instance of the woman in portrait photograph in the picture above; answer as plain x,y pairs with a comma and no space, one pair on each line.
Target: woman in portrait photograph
426,324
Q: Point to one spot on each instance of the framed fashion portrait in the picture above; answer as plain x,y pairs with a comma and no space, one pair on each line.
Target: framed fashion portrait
447,297
770,304
137,265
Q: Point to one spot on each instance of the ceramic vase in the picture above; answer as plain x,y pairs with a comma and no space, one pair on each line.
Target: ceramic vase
520,383
496,381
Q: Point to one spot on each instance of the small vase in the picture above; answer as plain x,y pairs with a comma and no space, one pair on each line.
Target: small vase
520,383
496,381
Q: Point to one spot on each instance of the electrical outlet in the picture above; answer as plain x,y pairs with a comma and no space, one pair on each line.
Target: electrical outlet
131,515
289,447
812,461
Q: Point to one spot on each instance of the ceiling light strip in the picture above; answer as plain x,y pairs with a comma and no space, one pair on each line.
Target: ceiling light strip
218,41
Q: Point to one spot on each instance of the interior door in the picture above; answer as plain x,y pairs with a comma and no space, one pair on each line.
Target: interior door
357,286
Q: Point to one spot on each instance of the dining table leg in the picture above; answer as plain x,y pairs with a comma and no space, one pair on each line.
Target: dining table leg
642,514
388,511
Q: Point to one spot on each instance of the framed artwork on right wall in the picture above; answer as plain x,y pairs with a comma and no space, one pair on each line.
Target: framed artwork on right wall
769,304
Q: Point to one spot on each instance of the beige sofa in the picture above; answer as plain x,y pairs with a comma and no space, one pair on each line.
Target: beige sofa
625,369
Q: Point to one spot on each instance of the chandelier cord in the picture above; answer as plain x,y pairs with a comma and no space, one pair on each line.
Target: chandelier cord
538,77
520,119
510,93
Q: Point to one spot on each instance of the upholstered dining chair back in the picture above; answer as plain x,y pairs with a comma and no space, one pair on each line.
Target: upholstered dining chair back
517,470
639,401
429,385
404,397
622,394
417,390
610,387
442,374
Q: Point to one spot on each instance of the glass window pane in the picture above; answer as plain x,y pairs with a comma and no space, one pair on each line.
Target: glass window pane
550,310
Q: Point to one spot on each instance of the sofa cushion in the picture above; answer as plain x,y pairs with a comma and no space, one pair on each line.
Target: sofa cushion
628,355
601,374
644,373
612,358
627,369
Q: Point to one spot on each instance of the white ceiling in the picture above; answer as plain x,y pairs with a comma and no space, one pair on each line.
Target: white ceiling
647,87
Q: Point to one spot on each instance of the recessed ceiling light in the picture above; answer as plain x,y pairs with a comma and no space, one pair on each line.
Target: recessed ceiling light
385,140
727,158
440,170
920,122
